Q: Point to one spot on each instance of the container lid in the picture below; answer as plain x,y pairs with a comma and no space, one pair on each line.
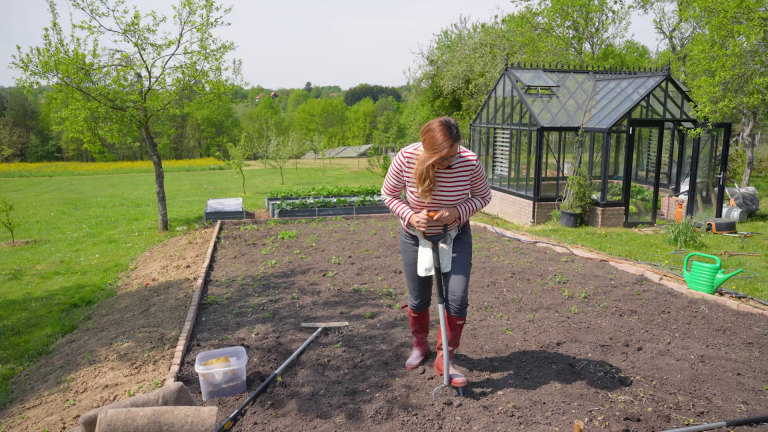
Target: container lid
236,355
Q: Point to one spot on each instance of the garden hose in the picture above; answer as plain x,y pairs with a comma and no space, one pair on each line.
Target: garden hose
734,294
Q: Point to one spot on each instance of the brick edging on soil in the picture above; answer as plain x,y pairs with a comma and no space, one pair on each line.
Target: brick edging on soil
634,269
189,321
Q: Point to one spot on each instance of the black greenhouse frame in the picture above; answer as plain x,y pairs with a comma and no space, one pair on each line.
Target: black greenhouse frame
630,125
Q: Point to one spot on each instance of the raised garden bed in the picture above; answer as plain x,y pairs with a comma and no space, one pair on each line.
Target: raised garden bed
328,207
550,338
323,192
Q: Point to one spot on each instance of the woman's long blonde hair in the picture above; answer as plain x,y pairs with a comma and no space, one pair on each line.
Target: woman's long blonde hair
437,136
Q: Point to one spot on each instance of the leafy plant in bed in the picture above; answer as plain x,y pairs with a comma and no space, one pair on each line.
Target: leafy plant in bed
364,204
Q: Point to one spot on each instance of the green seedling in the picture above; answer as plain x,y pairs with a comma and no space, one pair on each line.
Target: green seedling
355,288
574,310
566,293
343,312
498,316
272,263
267,315
529,317
157,383
313,281
338,345
507,330
71,403
368,315
335,260
287,235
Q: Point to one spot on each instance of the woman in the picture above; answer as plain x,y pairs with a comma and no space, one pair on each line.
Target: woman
437,175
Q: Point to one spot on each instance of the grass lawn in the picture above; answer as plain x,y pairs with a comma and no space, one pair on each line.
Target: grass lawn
638,246
85,230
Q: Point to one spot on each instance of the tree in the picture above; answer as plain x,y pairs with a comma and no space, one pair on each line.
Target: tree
257,124
236,156
584,27
360,122
282,151
325,117
7,219
362,91
297,99
308,87
728,62
127,69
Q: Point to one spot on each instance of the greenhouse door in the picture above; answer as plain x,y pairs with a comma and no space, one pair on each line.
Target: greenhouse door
644,167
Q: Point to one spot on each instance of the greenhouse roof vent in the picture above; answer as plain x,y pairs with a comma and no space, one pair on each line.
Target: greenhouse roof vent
536,82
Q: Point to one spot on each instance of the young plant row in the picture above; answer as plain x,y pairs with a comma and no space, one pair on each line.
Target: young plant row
325,191
363,200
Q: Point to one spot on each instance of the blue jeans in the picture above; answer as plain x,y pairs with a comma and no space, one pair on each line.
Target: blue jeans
456,281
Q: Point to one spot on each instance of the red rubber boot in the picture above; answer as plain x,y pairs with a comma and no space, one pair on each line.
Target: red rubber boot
455,327
420,330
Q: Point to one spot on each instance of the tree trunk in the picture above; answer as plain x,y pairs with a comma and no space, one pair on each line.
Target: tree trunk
162,209
282,179
747,124
242,174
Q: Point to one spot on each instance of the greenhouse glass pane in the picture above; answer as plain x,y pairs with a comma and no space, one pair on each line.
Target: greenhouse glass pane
595,173
606,96
508,97
567,159
616,153
550,164
627,99
521,136
543,115
512,161
488,155
526,120
657,103
499,98
500,157
688,111
673,102
534,78
515,111
531,164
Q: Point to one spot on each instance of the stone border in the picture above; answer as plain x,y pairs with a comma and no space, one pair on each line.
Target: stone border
635,269
189,321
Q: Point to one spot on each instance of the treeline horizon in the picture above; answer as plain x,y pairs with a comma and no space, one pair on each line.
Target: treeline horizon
340,117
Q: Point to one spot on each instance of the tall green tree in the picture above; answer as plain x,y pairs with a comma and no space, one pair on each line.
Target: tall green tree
361,119
324,117
129,68
728,63
297,99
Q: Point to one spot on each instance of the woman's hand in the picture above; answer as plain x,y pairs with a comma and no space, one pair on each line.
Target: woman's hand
419,221
447,215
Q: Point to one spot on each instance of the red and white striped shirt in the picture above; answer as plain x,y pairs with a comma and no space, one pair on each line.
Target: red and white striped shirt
463,185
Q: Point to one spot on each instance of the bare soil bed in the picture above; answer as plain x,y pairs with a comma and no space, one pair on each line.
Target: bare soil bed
550,338
124,349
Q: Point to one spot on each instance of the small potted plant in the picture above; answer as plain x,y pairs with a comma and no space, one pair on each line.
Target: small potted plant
577,201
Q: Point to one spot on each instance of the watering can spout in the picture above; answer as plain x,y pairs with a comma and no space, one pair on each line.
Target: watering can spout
720,278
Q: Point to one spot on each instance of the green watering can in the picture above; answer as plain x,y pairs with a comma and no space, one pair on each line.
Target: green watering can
705,277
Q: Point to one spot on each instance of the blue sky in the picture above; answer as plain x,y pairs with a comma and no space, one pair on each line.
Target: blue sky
287,43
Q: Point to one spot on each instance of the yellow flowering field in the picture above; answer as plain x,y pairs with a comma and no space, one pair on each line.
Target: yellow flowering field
57,169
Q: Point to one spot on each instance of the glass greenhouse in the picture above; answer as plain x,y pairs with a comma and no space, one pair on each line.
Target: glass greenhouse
631,127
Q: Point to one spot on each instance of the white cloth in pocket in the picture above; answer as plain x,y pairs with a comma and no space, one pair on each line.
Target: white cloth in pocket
424,266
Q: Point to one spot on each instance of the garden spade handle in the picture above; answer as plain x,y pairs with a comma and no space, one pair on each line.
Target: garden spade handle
435,243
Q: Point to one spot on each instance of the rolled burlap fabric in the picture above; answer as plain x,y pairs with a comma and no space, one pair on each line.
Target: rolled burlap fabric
158,419
175,394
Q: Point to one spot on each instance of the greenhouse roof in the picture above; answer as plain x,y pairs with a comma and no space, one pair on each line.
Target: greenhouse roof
593,99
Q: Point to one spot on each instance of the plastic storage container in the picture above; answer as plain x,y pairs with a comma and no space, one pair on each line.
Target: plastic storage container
222,372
